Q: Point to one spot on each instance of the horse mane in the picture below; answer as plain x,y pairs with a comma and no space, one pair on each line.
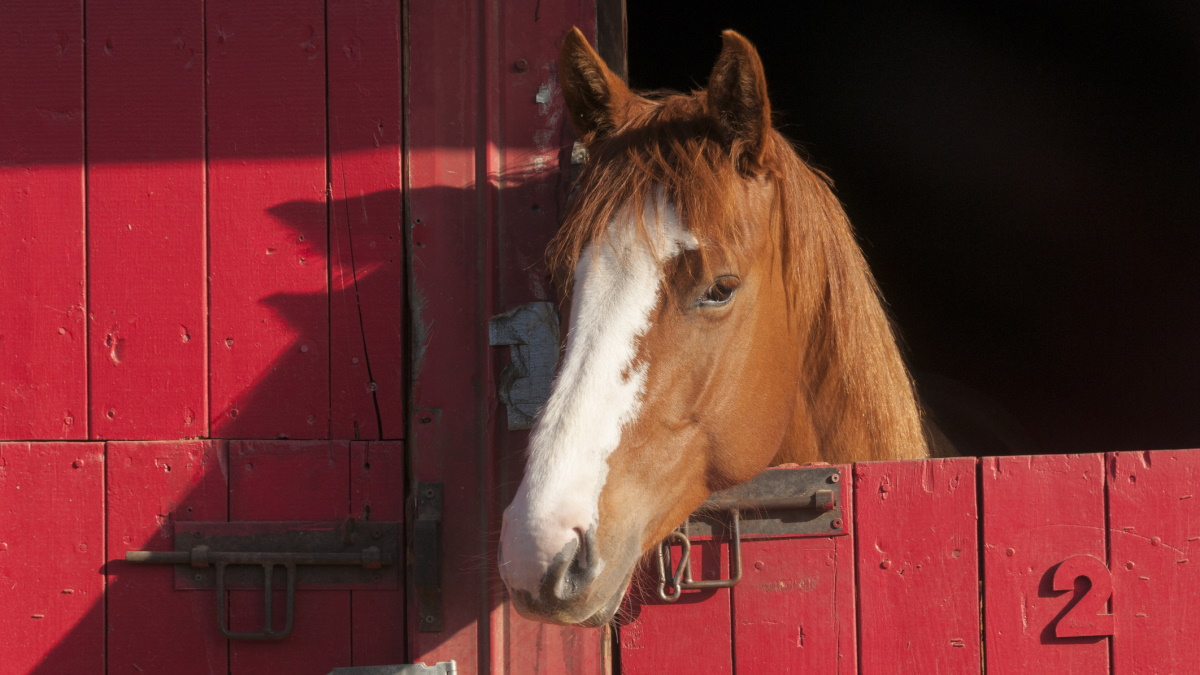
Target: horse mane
858,392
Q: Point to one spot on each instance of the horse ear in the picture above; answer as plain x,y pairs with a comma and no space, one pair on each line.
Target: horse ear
737,98
596,97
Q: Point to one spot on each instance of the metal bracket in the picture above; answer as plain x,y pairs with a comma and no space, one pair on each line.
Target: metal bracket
780,502
439,668
531,332
427,557
320,555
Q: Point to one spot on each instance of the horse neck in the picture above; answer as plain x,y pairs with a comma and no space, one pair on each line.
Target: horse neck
856,401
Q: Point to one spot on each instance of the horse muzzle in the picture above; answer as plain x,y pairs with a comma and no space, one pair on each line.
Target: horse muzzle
568,589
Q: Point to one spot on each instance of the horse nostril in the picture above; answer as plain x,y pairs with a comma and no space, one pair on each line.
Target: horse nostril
572,569
584,546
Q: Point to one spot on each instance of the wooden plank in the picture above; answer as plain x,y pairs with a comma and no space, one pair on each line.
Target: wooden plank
51,547
291,480
1037,512
366,303
449,248
146,206
268,263
918,569
377,493
786,607
659,636
528,132
793,611
1154,519
153,490
43,359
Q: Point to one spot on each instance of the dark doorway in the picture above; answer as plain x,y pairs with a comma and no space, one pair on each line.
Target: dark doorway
1025,181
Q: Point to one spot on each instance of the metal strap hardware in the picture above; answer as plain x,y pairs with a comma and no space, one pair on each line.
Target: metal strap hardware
225,556
427,557
799,502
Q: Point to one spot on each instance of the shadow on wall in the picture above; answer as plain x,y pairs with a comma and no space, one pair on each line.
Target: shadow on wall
262,479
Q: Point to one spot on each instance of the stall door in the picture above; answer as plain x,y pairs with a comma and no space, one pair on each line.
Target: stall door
1052,563
202,330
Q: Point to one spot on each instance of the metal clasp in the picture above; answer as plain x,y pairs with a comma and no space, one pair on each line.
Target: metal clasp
681,578
782,502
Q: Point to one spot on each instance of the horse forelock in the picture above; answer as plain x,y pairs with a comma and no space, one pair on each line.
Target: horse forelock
669,149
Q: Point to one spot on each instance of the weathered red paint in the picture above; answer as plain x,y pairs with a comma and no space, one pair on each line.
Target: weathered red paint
290,480
268,262
366,236
377,493
528,136
1153,521
208,161
696,628
51,551
43,361
794,611
473,128
146,203
918,570
153,489
448,243
1037,512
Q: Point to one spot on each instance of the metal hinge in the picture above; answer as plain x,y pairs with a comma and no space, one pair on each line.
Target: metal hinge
427,557
349,555
439,668
784,502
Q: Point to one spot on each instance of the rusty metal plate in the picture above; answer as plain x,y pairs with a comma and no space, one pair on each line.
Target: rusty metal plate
341,537
779,502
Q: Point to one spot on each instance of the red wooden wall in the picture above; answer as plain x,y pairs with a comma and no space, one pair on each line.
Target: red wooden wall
214,214
1056,564
248,245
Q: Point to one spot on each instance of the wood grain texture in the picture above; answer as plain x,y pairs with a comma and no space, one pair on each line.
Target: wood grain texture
1154,520
290,480
695,629
529,135
146,206
793,611
448,249
51,550
268,268
377,493
918,570
153,490
366,302
43,360
1037,512
786,607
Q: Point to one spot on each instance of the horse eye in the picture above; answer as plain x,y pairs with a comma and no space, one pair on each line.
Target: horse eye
720,292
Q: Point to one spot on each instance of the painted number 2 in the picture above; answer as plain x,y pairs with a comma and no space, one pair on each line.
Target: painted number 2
1087,617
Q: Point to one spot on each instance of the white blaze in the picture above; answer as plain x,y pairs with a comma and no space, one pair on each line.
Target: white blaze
597,392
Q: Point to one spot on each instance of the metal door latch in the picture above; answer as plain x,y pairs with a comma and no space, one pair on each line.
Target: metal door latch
791,502
346,555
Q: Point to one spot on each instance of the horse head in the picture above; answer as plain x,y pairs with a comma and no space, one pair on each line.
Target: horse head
722,319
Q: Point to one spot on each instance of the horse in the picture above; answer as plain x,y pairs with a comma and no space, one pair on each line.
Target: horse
722,320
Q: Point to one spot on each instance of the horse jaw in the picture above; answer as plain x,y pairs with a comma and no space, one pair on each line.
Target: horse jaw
596,395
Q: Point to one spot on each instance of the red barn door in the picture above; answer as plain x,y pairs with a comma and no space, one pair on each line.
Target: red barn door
1054,563
215,214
